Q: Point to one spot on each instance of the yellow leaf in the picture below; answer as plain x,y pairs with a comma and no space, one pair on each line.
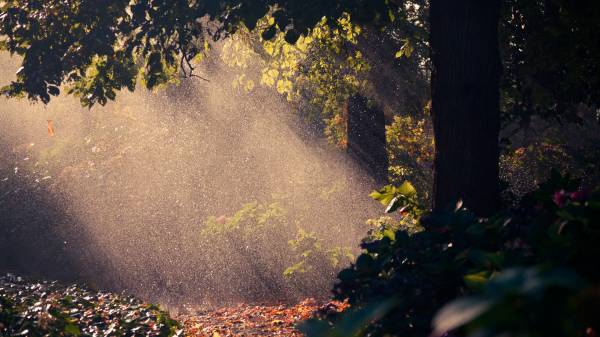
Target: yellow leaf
283,86
406,49
273,73
249,86
286,48
269,48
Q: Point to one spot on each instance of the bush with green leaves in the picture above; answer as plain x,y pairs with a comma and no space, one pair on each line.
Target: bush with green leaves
553,284
280,251
410,148
528,271
310,252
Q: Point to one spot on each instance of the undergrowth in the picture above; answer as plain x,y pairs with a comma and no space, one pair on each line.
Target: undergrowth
527,271
29,308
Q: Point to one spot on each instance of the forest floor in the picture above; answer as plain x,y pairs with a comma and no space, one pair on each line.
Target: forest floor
29,307
254,320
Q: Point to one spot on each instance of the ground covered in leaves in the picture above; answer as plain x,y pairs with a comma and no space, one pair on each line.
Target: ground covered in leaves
29,308
255,320
52,309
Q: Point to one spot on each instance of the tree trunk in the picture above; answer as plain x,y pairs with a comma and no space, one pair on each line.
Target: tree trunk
465,102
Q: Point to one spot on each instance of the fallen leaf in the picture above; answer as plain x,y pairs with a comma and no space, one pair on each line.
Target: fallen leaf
50,128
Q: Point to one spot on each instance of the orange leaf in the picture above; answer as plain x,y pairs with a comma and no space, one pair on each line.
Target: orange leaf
50,128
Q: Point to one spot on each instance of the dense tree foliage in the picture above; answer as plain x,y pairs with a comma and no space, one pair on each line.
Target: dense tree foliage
100,47
550,53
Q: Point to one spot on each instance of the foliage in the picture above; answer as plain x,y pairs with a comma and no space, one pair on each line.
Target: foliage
533,152
51,309
335,71
559,295
550,55
525,94
524,167
548,51
387,226
402,198
525,302
410,151
536,261
525,161
100,48
310,250
250,220
421,270
335,60
257,227
324,67
353,321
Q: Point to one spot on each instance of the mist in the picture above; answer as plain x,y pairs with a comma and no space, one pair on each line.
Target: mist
118,196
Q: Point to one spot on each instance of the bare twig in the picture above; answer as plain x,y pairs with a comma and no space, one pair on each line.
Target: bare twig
200,77
186,61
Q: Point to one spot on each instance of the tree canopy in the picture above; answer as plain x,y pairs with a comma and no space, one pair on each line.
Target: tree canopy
548,53
99,47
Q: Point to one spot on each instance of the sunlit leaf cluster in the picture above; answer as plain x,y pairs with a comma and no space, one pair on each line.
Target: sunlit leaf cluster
261,227
310,250
410,149
60,41
324,66
250,220
96,49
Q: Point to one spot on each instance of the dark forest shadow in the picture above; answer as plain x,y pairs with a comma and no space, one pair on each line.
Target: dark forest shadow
31,218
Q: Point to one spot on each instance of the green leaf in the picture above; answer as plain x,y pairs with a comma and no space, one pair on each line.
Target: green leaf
391,15
269,33
532,281
407,189
72,329
390,234
384,195
476,280
291,36
485,259
365,263
396,203
406,50
53,90
458,313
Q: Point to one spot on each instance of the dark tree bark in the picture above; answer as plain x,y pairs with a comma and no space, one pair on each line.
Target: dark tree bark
465,102
366,137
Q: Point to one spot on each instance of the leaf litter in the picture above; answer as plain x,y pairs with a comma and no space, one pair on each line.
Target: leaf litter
256,320
29,308
49,308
